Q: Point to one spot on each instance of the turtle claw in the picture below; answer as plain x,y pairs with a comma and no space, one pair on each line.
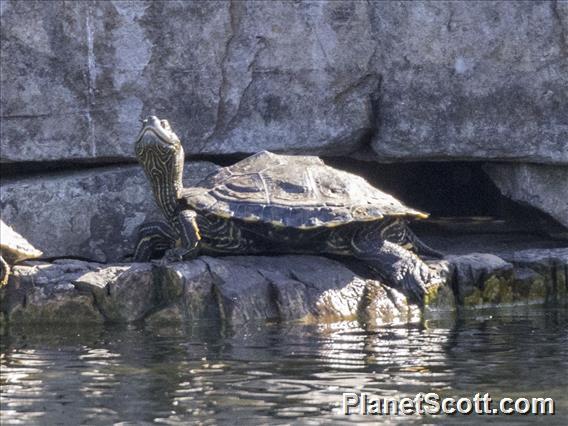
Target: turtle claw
415,288
432,279
425,279
401,268
174,255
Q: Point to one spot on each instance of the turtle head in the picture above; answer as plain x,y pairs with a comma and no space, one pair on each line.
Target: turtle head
159,151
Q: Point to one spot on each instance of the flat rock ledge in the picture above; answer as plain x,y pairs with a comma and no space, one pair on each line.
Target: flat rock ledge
285,288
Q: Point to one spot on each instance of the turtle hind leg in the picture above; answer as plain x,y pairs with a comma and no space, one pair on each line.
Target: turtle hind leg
397,231
420,247
396,265
4,271
153,238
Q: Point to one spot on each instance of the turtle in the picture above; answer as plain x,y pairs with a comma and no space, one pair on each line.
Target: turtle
271,203
13,249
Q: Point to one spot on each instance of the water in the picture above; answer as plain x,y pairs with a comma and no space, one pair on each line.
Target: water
278,373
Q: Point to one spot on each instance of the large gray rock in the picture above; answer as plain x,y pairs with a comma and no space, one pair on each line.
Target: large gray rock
123,293
92,214
286,288
46,293
481,278
510,277
472,80
543,187
309,288
550,267
231,76
186,292
235,290
424,80
240,289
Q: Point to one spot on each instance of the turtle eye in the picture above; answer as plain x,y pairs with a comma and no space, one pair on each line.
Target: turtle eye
165,124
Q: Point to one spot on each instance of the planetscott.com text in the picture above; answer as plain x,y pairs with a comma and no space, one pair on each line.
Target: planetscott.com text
432,404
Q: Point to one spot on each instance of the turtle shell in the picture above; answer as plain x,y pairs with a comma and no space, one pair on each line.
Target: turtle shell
292,191
14,247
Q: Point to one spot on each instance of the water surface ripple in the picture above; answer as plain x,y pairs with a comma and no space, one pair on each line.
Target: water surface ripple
278,373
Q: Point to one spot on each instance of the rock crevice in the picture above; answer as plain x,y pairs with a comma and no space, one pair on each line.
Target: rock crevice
461,82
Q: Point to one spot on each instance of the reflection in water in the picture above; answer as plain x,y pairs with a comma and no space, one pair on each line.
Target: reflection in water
275,373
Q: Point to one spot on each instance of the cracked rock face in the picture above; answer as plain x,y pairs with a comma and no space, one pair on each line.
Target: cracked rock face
473,80
420,80
230,76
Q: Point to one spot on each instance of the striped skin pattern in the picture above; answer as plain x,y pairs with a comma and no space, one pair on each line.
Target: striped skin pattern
232,236
163,165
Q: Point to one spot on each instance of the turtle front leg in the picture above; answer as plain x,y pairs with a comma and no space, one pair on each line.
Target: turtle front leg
190,235
153,237
189,238
4,271
396,265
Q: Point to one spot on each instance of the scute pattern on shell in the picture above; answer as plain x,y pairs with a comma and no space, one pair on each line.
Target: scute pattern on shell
14,247
292,191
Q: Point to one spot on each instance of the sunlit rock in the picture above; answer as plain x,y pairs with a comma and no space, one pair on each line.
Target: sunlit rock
542,186
518,277
92,214
123,293
240,289
45,293
419,80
